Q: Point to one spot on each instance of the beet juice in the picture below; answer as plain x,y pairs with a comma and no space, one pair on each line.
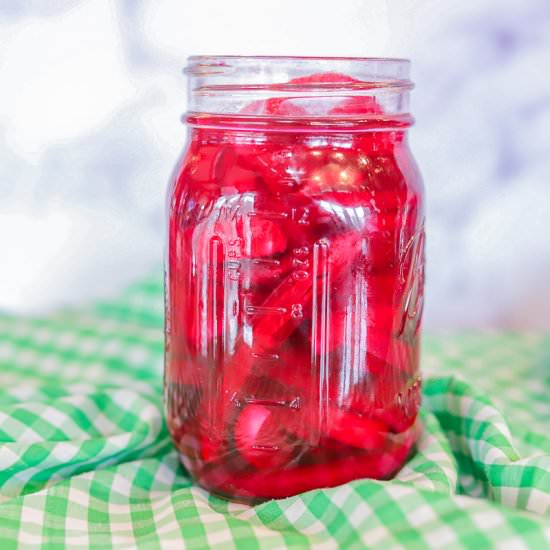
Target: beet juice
295,273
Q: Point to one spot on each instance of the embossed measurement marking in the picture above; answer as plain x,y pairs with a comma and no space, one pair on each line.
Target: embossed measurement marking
268,215
265,310
266,356
266,261
268,448
288,403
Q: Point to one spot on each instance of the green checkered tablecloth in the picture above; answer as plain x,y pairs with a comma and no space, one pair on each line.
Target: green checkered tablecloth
85,458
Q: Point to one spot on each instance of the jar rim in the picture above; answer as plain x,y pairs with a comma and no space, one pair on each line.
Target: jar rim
311,87
300,57
207,64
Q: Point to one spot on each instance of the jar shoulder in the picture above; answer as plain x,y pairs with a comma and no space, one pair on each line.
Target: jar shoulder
366,168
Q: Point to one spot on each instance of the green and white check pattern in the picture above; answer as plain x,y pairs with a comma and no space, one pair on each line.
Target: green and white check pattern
85,458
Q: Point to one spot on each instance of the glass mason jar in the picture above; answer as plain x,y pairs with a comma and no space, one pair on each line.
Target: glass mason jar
295,273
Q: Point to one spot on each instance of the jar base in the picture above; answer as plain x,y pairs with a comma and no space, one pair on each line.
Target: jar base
256,486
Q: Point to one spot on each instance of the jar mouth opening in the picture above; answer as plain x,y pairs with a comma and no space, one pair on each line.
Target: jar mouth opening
209,64
272,70
308,86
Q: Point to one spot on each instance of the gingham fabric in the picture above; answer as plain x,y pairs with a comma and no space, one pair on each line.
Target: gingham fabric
85,458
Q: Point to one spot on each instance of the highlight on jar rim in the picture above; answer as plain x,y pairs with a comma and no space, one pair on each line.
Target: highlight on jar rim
294,275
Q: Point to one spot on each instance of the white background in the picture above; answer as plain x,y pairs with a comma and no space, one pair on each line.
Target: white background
91,93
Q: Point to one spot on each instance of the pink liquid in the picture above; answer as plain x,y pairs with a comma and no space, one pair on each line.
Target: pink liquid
294,301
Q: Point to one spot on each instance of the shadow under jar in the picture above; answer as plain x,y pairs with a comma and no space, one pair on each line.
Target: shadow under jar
295,273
